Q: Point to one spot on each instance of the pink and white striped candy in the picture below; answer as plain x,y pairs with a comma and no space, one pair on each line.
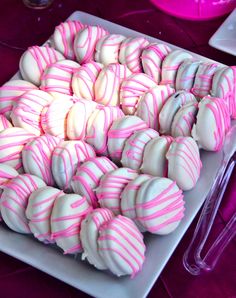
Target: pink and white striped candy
213,122
151,103
37,157
186,74
111,186
107,85
121,246
203,79
170,66
84,79
154,156
159,205
132,155
39,210
10,92
14,201
6,173
57,77
107,48
184,163
77,118
4,123
12,141
130,53
89,236
132,89
35,60
119,133
64,36
85,43
88,175
66,158
67,214
98,126
152,58
27,111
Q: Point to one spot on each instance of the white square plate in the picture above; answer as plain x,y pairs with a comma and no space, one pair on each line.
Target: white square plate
225,37
159,249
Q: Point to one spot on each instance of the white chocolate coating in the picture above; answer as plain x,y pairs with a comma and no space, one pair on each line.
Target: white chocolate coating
184,163
84,79
89,236
107,48
35,60
186,74
107,85
67,214
152,58
66,158
98,126
4,123
39,210
132,89
14,201
151,103
37,157
132,155
111,186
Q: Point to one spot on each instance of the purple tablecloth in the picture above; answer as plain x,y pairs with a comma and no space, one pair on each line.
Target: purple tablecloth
21,27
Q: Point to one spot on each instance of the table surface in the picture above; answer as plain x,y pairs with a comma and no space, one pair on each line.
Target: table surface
21,27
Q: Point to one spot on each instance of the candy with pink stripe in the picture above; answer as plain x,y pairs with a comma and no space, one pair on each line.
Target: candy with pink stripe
10,92
159,205
186,74
88,175
154,157
151,103
128,199
121,246
14,201
111,186
224,86
132,155
66,158
64,36
77,118
84,79
171,64
184,120
107,48
54,117
85,43
67,214
39,210
171,107
4,123
35,60
119,133
152,58
132,89
213,122
184,163
89,236
27,111
37,157
130,52
107,85
57,77
12,141
203,79
98,126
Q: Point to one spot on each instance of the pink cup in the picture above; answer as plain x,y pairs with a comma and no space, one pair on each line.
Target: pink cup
196,9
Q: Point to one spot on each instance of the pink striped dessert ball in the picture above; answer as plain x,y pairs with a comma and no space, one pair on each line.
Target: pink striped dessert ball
159,205
89,236
121,246
184,163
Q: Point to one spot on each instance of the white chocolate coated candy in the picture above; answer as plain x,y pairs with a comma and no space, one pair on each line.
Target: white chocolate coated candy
4,123
186,74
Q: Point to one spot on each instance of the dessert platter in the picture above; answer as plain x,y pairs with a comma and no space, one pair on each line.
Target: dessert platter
110,141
